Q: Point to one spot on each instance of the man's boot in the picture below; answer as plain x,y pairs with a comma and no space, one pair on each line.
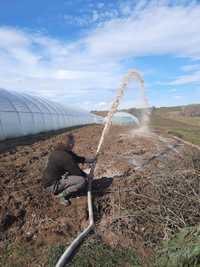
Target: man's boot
65,200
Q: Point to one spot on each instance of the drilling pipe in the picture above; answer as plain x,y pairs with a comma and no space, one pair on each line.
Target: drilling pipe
68,252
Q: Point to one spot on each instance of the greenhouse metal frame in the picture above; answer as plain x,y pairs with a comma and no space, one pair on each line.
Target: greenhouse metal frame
22,115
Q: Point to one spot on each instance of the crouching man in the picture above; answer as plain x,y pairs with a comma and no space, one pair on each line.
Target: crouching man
62,175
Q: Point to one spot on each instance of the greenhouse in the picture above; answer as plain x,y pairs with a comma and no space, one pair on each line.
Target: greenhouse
22,114
124,118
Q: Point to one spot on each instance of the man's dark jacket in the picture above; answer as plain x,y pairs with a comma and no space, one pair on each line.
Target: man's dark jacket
62,161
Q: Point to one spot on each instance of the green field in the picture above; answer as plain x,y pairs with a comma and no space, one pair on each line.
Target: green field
170,121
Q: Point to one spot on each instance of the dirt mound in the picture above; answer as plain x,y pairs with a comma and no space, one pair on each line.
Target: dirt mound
147,189
27,212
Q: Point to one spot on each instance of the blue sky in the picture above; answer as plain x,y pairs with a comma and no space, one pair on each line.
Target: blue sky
76,52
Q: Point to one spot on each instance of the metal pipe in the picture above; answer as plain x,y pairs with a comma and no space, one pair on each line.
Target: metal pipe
68,252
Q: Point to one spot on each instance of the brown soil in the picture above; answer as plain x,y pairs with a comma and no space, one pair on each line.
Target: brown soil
130,206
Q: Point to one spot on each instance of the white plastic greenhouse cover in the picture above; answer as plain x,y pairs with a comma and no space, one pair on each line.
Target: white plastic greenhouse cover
124,118
22,114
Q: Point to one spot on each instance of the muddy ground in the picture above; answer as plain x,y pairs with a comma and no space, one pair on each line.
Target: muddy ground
146,189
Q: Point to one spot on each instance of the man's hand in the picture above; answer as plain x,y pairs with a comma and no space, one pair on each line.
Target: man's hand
90,160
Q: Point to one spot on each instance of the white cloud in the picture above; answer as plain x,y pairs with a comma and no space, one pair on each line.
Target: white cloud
173,90
102,104
192,67
178,96
155,30
187,79
36,63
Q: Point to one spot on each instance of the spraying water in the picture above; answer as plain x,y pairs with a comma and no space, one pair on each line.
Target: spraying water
144,125
134,75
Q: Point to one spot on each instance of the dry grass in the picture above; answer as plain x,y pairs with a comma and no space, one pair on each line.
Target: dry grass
144,211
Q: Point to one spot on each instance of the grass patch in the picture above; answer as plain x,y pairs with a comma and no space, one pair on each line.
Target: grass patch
96,253
181,251
54,254
184,127
15,255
